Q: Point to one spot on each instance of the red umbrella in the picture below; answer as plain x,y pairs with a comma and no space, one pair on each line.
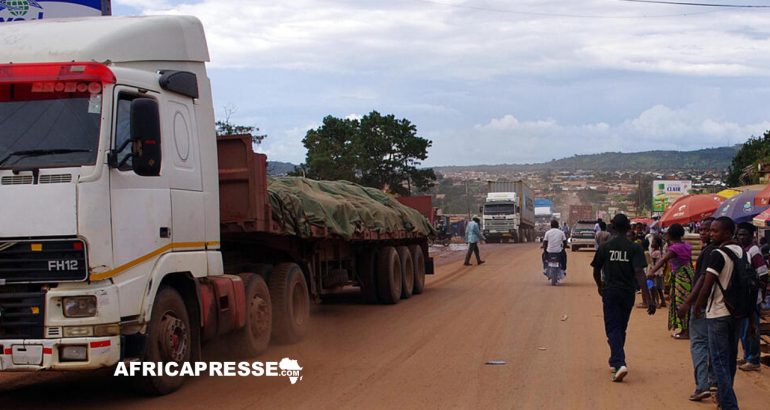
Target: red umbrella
643,221
691,208
763,197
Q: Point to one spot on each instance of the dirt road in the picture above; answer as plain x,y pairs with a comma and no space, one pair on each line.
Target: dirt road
430,352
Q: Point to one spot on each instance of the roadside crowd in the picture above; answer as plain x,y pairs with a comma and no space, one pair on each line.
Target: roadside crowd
714,302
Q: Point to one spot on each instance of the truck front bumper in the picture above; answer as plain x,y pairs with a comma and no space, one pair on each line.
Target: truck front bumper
44,354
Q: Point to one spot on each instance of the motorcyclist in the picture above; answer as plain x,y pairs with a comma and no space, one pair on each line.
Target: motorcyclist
555,242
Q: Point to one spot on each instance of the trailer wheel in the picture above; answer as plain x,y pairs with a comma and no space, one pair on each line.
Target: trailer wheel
291,303
389,275
367,276
168,340
407,272
419,269
253,338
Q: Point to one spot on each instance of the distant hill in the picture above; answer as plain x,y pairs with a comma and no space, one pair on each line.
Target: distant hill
711,158
276,168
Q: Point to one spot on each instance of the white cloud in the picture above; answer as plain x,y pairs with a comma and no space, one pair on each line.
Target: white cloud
287,145
493,81
424,37
510,140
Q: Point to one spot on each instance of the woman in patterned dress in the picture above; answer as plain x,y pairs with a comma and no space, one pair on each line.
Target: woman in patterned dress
679,255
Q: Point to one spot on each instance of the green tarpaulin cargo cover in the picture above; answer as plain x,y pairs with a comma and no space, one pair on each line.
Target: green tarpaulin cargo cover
345,209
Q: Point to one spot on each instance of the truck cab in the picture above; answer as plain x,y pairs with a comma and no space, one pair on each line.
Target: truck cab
107,155
501,217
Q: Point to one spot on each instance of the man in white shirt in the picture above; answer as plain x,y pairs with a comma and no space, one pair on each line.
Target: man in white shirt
554,241
722,326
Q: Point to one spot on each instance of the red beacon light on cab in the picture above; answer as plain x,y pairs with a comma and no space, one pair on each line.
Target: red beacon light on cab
87,72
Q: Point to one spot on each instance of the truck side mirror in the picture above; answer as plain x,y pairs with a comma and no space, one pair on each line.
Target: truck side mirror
145,137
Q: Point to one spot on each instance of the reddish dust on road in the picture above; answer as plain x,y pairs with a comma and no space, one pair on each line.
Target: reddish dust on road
431,351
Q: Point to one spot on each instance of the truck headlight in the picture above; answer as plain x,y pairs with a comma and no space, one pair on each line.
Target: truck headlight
79,306
73,353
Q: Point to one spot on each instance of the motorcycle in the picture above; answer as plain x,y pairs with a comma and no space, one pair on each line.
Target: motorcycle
553,270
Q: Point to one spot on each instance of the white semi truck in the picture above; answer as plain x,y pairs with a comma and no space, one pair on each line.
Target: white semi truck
129,231
509,212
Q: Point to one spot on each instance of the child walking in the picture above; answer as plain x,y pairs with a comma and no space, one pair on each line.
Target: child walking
658,297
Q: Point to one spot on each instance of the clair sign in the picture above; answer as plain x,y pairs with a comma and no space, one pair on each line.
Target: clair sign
21,10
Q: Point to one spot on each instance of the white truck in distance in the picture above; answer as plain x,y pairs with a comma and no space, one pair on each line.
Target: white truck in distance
124,213
509,212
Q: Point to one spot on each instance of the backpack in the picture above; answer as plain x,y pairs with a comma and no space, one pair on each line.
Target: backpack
740,296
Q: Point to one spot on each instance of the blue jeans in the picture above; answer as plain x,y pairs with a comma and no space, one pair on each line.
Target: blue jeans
749,342
723,345
699,350
617,305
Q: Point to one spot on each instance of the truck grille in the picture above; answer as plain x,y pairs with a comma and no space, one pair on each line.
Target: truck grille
498,225
43,261
21,315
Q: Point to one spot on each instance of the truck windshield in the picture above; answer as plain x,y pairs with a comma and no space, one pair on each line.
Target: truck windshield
49,124
499,209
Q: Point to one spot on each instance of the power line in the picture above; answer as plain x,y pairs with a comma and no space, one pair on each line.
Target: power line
547,14
683,3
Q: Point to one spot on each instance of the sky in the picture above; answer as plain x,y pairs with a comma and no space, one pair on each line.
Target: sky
490,81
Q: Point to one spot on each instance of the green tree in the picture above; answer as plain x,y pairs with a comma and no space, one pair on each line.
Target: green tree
330,150
743,169
226,127
377,151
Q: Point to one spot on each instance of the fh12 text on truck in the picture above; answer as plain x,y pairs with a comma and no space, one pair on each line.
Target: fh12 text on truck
129,231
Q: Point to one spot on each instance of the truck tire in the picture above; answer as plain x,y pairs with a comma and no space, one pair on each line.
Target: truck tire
389,275
253,338
290,301
574,248
407,272
367,276
418,259
168,340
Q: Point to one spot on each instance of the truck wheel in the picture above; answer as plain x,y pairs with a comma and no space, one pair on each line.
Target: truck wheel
168,340
419,269
367,276
407,272
389,276
574,248
253,338
291,303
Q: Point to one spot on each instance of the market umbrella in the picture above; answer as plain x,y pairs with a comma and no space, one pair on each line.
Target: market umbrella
740,208
728,193
643,221
763,197
762,220
691,208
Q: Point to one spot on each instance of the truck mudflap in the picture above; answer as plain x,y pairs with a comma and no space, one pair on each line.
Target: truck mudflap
46,354
429,268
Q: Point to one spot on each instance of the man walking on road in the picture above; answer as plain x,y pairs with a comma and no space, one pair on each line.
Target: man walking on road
472,237
621,260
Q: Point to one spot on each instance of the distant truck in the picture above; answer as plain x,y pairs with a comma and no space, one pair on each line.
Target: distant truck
544,213
509,212
580,213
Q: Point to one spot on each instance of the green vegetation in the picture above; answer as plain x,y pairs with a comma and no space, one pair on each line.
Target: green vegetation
711,158
378,151
744,168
